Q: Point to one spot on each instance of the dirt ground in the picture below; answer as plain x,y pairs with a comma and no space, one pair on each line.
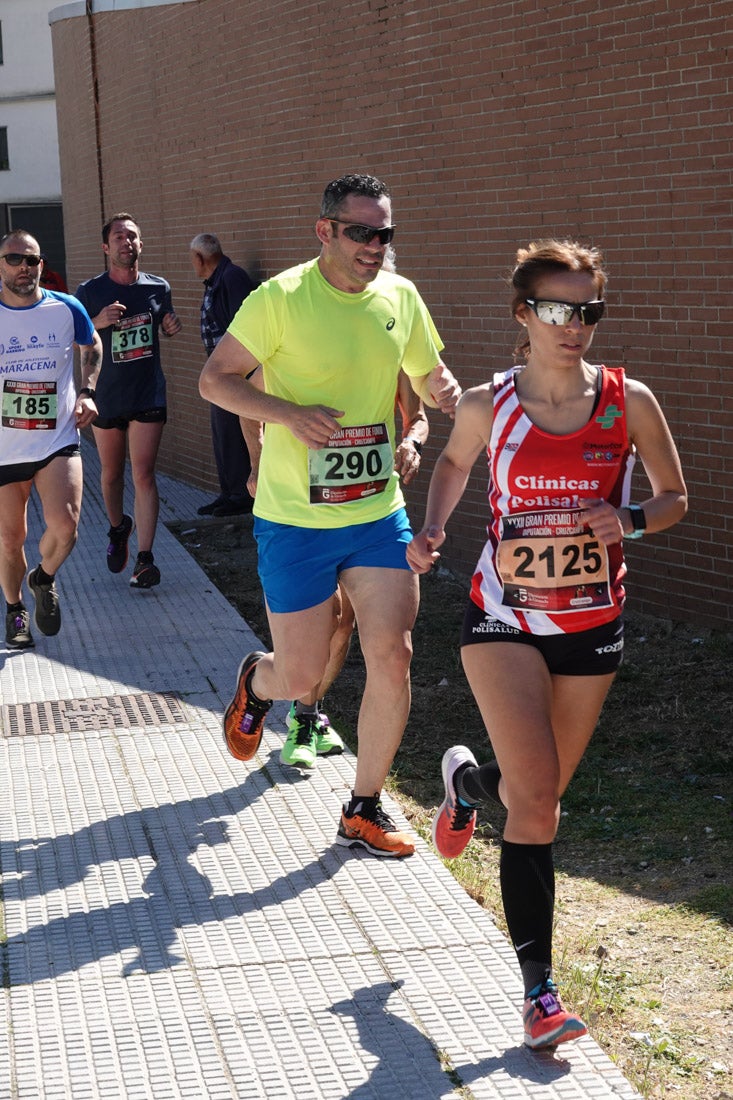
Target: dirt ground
643,856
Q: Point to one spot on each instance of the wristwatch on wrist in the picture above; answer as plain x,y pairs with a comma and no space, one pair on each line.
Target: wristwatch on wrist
416,444
638,521
86,391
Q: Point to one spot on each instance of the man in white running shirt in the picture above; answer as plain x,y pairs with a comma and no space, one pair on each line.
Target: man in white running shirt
42,412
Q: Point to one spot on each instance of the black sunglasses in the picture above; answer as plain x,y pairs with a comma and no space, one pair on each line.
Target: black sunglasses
363,234
15,259
562,313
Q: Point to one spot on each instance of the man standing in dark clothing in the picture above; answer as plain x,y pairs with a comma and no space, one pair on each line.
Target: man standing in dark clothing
225,288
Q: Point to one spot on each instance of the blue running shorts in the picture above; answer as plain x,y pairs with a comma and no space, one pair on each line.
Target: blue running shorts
299,567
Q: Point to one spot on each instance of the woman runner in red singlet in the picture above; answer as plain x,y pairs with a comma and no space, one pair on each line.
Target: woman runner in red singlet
543,633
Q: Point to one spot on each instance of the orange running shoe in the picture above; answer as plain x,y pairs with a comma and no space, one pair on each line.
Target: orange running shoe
244,718
371,828
546,1023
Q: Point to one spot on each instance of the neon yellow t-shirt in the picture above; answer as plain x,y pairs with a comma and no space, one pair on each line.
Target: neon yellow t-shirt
321,346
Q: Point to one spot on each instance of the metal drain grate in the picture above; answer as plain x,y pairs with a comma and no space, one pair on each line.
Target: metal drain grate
82,715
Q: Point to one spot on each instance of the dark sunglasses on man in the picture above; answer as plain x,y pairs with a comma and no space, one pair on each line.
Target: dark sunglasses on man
363,234
15,259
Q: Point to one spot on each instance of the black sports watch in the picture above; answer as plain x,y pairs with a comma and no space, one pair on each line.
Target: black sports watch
86,391
416,444
638,521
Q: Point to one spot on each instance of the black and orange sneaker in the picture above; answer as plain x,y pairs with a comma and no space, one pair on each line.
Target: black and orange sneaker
244,718
117,549
546,1023
368,826
48,610
145,573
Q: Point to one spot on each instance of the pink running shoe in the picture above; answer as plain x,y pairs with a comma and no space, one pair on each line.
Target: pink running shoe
546,1023
454,823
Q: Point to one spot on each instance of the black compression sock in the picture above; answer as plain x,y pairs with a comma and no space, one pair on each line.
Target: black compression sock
477,784
527,877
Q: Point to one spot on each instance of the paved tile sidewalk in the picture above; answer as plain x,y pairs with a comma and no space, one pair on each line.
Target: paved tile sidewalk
174,924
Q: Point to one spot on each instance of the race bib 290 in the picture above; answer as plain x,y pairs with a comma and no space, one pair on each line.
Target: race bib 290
356,463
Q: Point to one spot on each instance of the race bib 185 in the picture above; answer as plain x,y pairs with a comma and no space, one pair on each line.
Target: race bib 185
29,405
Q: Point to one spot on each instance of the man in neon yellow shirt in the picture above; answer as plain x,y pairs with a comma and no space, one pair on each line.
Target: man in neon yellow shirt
332,335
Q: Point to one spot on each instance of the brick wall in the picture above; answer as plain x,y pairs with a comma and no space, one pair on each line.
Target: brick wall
493,124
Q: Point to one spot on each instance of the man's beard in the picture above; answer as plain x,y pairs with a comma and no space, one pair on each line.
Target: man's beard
22,289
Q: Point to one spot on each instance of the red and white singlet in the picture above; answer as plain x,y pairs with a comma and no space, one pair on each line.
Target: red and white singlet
541,569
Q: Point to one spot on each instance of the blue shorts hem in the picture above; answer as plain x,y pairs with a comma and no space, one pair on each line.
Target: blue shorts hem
299,567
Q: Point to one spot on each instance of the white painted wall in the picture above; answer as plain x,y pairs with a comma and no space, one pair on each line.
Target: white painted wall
28,103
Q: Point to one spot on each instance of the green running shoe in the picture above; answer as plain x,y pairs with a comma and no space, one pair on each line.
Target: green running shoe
328,741
299,749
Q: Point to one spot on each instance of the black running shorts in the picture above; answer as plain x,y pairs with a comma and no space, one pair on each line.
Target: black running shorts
593,652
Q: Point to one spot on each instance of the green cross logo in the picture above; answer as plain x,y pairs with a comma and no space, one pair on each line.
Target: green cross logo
608,416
